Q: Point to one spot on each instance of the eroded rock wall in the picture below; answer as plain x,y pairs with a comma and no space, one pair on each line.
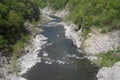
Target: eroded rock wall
97,42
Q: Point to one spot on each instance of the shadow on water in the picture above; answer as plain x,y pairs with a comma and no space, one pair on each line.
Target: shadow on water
60,60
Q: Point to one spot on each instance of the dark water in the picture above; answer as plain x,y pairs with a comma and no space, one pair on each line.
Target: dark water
63,61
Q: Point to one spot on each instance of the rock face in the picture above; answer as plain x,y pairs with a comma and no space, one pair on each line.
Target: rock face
47,11
62,13
111,73
32,28
97,42
72,34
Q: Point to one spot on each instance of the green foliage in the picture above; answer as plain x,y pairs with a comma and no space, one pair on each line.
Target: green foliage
3,42
85,32
13,14
54,4
42,3
14,19
17,50
109,58
18,47
57,4
98,13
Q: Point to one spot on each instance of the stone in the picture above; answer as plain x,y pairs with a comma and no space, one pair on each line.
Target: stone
109,73
72,34
97,42
45,54
32,28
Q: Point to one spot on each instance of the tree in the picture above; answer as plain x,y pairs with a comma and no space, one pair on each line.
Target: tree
14,19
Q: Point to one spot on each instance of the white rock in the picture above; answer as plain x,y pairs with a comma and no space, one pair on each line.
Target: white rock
45,54
109,73
92,58
32,57
58,35
75,56
47,11
48,62
97,42
72,34
60,62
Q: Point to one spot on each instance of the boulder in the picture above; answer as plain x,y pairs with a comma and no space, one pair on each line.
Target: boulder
109,73
97,42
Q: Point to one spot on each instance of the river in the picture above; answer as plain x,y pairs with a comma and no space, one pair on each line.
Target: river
60,59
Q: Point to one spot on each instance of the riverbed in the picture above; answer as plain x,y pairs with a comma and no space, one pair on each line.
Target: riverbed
59,58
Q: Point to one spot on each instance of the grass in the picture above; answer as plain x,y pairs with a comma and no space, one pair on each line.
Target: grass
86,32
109,58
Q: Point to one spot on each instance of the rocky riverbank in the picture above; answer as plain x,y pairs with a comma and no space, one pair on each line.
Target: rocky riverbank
110,73
99,43
72,34
8,71
95,43
4,66
46,12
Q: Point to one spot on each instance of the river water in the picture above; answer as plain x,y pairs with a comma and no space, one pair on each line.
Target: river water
60,60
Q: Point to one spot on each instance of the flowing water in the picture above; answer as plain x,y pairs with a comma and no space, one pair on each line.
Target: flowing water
60,60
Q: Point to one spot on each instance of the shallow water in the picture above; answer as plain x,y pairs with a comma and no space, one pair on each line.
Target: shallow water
60,60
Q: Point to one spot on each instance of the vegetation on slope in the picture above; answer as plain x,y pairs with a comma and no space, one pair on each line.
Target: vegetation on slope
98,13
57,4
13,14
53,4
109,58
89,13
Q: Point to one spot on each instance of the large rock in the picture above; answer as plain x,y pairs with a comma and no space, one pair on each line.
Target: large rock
97,42
109,73
32,28
72,34
47,11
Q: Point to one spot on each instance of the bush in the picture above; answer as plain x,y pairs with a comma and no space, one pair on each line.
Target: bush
109,58
57,4
98,13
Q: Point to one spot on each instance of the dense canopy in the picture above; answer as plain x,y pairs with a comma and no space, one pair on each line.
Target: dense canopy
13,14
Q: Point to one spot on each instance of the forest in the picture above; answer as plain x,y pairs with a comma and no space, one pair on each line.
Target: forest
13,14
